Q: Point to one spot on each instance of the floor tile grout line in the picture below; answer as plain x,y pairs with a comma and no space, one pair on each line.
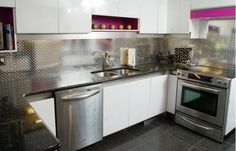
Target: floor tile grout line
168,130
228,143
195,145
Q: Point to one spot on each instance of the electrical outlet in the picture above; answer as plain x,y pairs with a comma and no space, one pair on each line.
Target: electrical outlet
2,60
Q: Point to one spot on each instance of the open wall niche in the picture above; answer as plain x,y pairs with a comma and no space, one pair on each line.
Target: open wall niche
129,24
7,30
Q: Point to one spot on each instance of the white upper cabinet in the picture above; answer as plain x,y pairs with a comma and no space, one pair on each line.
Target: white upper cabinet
174,16
165,16
7,3
203,4
104,7
74,16
148,16
158,95
37,16
184,17
129,8
122,8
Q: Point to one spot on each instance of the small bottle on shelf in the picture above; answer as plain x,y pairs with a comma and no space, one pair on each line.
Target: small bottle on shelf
8,34
1,36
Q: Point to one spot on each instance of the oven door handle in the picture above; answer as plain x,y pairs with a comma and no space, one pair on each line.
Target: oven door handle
198,125
202,88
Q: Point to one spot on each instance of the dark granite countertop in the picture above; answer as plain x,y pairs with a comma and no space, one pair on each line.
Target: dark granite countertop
84,77
18,129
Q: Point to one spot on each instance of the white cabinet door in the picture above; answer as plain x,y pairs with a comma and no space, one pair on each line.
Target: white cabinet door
174,16
149,17
7,3
46,111
183,17
158,95
105,7
37,16
231,117
139,96
129,8
74,16
171,93
115,108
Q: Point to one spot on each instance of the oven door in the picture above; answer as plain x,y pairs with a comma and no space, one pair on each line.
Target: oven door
204,102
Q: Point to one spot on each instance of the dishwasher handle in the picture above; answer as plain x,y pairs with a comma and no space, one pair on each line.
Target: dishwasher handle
80,96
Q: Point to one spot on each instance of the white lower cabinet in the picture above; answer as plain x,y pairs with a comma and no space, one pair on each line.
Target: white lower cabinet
46,111
125,103
128,102
231,116
172,91
158,95
115,107
138,94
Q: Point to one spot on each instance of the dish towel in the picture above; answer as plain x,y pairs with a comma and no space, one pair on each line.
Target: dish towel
132,57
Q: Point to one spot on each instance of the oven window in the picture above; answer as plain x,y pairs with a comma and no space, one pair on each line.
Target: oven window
201,101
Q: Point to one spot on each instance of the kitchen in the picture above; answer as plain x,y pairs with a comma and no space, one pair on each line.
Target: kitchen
117,75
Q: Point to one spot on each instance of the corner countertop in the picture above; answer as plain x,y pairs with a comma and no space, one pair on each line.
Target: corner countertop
18,129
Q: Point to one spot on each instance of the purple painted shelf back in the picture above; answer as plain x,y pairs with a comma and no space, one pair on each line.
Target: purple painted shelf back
108,20
6,15
214,12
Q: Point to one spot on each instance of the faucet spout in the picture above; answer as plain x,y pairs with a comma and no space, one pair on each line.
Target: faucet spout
106,58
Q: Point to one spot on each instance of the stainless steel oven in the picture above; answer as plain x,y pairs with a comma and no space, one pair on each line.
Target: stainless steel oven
201,103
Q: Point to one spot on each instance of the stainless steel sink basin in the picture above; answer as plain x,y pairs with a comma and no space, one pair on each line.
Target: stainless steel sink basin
115,72
106,74
125,71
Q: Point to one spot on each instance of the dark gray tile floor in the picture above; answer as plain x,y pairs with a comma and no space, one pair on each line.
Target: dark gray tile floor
160,134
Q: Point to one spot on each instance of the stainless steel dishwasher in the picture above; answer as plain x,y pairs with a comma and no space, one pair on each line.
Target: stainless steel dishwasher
79,117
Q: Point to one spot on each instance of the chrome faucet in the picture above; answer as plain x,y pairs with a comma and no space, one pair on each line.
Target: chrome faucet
106,58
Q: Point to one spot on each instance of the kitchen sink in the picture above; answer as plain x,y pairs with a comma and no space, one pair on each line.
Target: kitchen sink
125,71
115,72
106,74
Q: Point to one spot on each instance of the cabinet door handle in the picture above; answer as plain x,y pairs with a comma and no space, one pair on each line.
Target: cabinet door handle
80,96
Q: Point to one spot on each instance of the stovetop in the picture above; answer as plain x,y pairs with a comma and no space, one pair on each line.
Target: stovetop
212,71
209,75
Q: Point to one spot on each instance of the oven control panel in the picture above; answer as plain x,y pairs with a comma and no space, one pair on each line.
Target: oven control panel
203,78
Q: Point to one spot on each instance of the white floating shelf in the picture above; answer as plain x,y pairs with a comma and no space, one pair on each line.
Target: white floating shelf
113,30
7,51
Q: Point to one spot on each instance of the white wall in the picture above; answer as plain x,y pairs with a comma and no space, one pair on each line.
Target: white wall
225,26
200,4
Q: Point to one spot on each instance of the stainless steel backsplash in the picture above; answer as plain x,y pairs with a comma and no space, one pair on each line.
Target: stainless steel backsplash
39,58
